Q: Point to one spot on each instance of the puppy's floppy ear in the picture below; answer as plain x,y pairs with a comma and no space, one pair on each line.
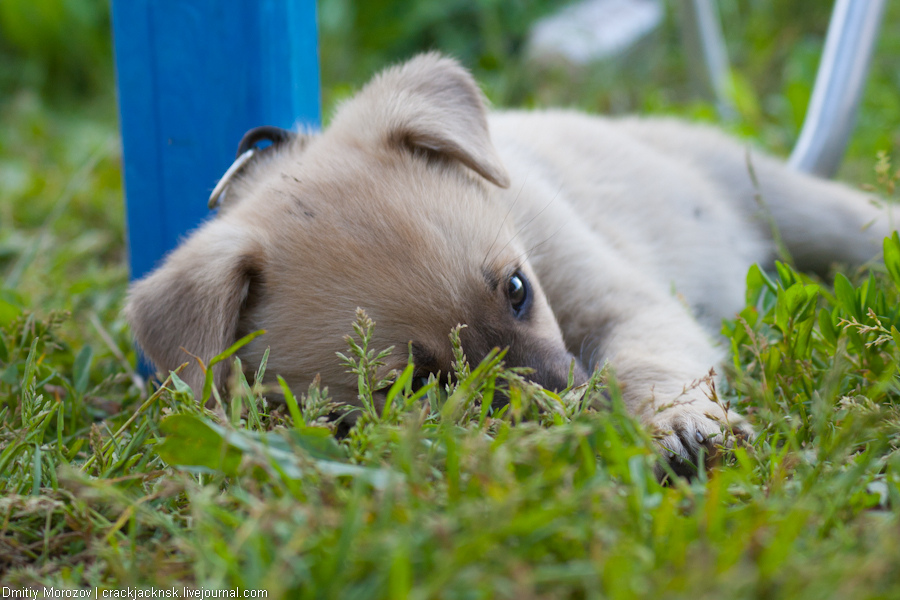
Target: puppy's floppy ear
193,301
433,103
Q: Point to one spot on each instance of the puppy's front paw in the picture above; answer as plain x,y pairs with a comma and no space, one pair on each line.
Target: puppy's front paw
692,432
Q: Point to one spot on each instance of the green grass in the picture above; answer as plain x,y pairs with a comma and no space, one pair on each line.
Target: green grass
107,482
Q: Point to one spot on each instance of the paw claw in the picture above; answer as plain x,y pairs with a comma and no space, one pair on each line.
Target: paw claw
692,435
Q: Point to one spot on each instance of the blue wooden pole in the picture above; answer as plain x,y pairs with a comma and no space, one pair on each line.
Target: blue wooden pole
193,76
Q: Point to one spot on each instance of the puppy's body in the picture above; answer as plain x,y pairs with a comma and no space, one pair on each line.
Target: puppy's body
655,219
626,234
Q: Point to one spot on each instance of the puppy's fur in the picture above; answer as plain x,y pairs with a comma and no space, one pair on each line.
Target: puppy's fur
419,206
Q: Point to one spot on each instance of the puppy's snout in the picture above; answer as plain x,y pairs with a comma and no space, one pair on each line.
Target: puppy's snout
553,372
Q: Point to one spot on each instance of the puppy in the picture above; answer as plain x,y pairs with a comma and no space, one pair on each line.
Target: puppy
558,235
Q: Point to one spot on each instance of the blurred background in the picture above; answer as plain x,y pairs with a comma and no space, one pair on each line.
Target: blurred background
61,209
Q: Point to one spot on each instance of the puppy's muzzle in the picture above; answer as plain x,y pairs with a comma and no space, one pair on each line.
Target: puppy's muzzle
551,365
555,376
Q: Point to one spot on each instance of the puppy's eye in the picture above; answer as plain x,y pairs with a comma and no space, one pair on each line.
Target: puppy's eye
518,293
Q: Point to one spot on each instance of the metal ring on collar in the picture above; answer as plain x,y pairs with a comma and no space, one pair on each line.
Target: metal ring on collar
215,199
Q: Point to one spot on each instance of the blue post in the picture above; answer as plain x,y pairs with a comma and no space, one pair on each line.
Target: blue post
193,76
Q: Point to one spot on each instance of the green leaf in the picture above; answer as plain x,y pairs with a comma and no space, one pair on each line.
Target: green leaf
788,307
8,312
846,296
773,361
318,442
261,371
82,369
400,573
866,292
208,382
196,444
36,475
462,396
801,341
291,401
891,246
785,274
826,327
809,305
756,281
11,306
192,442
398,386
180,385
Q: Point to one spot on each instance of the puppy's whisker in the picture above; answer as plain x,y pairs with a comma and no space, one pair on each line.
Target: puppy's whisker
581,349
527,253
503,222
527,223
588,351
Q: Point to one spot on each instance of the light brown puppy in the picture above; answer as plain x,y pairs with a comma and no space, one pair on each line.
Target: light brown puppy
554,233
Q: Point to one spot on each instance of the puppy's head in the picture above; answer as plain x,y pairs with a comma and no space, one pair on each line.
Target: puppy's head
392,209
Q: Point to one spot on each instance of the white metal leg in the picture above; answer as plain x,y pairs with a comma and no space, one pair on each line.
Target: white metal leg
831,115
